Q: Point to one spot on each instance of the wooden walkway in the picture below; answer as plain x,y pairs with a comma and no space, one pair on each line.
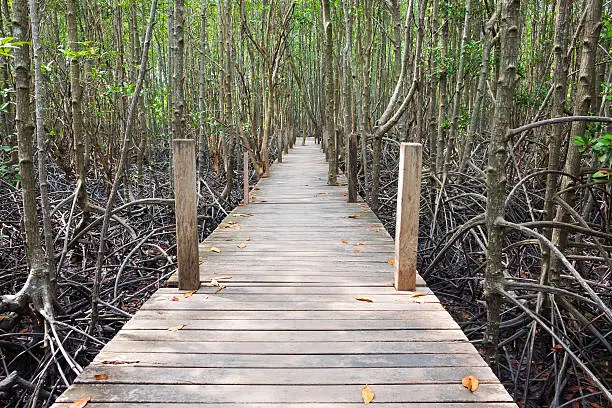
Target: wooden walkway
287,330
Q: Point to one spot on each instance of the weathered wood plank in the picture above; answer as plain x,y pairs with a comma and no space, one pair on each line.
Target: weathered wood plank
372,291
356,361
367,316
229,296
282,376
124,342
405,393
306,405
223,306
415,326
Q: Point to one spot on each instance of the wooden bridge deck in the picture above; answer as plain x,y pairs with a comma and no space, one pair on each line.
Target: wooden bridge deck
287,329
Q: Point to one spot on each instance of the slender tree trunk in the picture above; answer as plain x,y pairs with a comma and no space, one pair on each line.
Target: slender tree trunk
481,90
37,291
442,146
178,73
228,108
583,102
202,137
41,144
127,139
76,96
496,172
330,122
347,107
559,104
454,126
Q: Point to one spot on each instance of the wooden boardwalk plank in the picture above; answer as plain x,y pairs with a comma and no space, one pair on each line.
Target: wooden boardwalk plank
287,330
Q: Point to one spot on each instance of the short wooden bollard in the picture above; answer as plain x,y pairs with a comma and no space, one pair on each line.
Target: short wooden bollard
407,217
352,168
184,162
245,177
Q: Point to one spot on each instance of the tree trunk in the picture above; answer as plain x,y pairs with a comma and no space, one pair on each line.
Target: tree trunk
496,172
583,99
559,104
330,122
76,96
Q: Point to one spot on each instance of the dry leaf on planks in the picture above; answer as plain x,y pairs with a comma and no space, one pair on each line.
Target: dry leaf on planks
189,293
101,377
470,382
80,403
367,394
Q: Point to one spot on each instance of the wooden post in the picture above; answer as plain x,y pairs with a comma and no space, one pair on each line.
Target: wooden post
245,177
184,163
352,168
407,216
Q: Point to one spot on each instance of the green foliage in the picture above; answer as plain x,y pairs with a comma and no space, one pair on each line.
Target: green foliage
8,172
89,50
7,45
125,89
600,145
606,91
606,31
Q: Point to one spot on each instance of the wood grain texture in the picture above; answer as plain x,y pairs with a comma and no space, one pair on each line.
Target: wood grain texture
184,166
287,329
407,216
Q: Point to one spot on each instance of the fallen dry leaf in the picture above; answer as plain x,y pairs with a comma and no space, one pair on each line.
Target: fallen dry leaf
176,328
119,362
391,261
356,251
356,215
189,294
219,289
344,241
101,377
201,261
215,249
247,239
224,278
470,382
359,244
418,294
213,282
241,245
367,394
2,317
557,347
237,215
80,403
174,299
364,299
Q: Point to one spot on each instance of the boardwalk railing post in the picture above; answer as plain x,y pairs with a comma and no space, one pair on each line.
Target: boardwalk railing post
245,177
184,162
407,217
352,168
